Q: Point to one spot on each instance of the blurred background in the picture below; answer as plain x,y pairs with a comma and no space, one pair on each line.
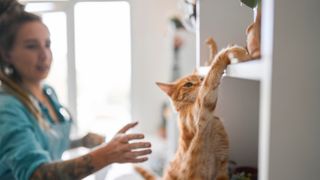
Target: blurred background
108,54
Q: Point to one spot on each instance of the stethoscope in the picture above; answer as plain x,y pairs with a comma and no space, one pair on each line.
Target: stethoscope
61,111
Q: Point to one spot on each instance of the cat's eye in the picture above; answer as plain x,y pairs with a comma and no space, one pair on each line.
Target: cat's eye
201,78
188,84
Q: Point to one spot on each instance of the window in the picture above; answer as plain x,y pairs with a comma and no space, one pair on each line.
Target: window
103,65
56,22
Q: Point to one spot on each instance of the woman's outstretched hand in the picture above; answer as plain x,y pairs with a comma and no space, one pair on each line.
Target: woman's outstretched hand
120,150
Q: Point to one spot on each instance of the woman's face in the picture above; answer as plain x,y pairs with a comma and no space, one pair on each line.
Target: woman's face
31,54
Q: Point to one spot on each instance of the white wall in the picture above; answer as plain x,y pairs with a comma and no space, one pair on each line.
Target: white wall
151,58
226,21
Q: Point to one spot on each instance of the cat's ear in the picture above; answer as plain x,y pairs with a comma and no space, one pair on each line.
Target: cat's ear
166,87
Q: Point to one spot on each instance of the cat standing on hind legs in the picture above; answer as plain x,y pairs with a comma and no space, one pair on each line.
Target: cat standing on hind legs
203,147
207,155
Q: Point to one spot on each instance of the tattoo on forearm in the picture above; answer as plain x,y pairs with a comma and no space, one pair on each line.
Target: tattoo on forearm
71,169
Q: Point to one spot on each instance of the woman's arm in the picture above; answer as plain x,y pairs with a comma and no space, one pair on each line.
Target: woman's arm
117,150
72,169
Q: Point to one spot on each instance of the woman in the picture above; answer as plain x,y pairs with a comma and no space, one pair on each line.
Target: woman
34,127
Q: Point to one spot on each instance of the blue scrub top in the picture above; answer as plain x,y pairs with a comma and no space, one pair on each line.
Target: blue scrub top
24,145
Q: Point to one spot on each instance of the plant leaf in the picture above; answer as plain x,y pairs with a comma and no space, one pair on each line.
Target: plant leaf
250,3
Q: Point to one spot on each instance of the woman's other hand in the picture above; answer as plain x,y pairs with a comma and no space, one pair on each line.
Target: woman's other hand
92,140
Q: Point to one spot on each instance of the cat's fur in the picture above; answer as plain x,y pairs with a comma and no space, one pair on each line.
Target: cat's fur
213,50
202,152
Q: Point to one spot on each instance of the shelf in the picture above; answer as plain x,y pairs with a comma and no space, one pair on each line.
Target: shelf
251,70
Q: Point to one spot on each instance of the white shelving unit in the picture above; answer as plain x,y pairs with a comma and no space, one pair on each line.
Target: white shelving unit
239,92
289,85
250,70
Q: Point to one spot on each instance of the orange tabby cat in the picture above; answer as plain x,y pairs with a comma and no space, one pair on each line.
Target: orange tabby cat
202,152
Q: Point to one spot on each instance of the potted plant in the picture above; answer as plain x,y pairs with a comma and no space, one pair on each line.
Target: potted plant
253,31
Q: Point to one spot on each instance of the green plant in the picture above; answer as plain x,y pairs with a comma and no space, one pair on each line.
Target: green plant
241,176
251,3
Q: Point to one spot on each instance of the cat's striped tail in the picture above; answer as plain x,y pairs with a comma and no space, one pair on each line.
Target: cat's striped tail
144,173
